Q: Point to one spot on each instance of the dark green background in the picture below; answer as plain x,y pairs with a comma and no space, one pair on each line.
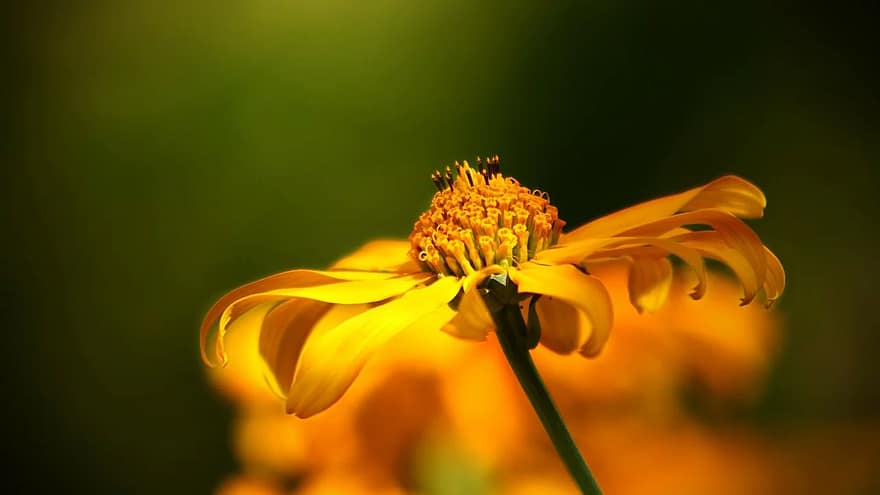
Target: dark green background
159,154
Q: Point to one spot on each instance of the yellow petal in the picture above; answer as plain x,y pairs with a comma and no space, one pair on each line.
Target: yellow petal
572,251
774,282
295,335
568,284
332,358
611,249
383,255
639,247
480,275
438,318
243,380
291,278
711,245
283,333
564,328
649,282
472,320
352,292
349,292
731,231
732,194
729,193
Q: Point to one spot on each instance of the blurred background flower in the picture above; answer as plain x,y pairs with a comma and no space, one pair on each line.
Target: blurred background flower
158,155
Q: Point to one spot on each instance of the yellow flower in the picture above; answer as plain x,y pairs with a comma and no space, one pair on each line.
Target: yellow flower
481,223
451,390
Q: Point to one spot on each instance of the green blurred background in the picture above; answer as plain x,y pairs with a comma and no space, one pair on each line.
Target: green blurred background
157,155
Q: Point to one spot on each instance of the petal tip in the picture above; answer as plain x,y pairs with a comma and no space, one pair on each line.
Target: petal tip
297,410
219,360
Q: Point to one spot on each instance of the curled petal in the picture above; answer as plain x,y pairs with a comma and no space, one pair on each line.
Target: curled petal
244,380
333,357
288,279
615,248
288,356
564,328
350,292
283,332
774,282
383,255
730,231
649,282
568,284
712,245
730,194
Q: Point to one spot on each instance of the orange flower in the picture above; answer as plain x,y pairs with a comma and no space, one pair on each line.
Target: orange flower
481,223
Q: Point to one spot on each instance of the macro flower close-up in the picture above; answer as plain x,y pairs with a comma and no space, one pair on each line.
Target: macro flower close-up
268,248
482,224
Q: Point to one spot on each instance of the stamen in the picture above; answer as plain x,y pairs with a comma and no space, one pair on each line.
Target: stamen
467,235
435,178
505,247
487,247
507,219
494,166
457,249
488,226
453,265
522,245
467,173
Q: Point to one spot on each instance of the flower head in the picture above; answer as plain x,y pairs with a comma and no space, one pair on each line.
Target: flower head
482,219
320,327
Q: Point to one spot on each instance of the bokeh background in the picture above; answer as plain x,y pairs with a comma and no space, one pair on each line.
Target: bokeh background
156,155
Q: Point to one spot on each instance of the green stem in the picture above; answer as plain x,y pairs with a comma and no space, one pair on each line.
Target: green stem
511,330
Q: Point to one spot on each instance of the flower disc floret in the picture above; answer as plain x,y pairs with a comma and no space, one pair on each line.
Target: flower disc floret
480,218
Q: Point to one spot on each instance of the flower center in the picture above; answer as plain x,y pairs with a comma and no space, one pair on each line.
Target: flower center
480,218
